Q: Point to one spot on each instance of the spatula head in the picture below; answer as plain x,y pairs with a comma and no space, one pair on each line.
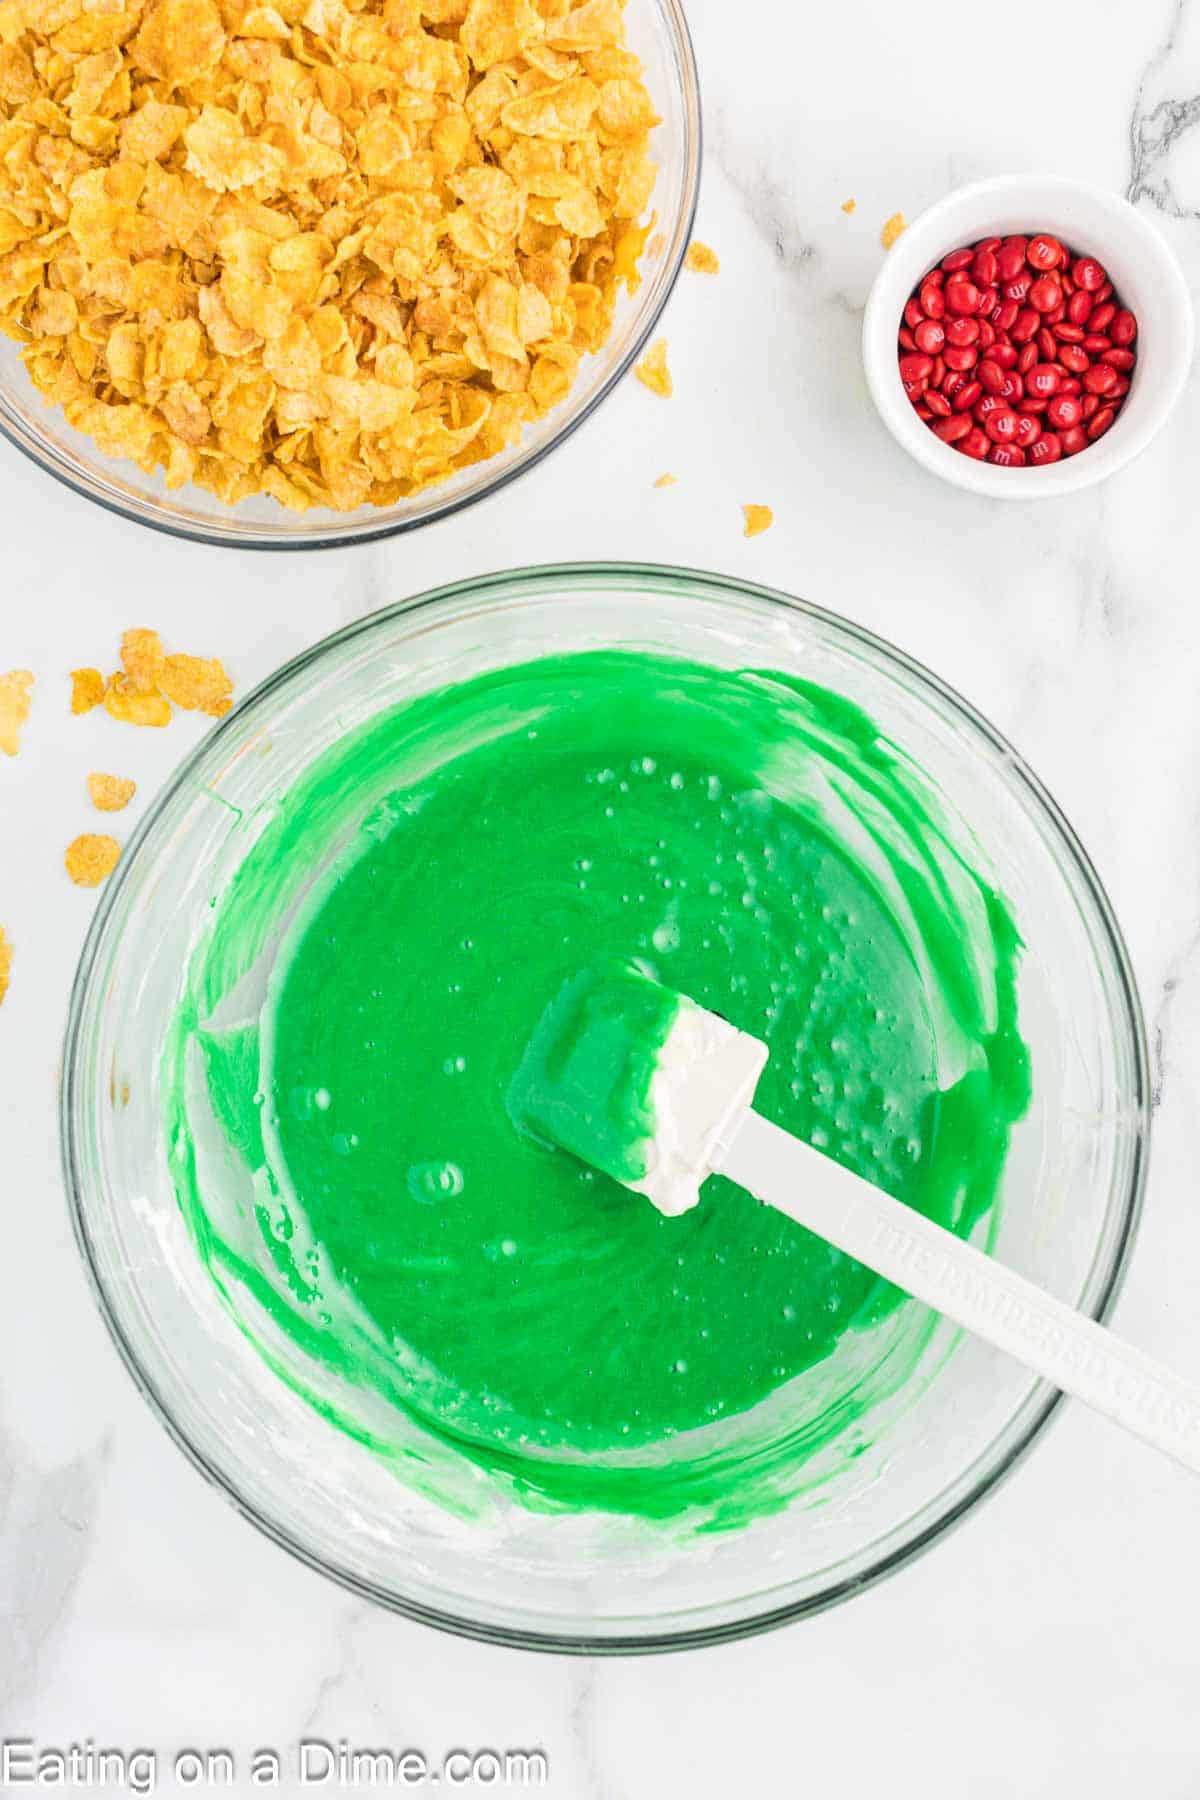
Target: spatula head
636,1080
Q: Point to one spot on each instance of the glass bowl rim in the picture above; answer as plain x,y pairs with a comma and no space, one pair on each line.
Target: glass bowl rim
220,537
1026,1423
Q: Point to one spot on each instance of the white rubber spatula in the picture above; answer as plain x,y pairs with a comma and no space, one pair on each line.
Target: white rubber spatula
650,1088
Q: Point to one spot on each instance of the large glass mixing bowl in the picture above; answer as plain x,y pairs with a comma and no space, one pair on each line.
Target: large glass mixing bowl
1065,1216
657,31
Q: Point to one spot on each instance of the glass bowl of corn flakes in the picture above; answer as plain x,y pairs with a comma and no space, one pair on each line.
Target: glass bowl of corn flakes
296,273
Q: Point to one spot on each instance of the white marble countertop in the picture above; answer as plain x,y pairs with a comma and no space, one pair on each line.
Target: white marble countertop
1046,1647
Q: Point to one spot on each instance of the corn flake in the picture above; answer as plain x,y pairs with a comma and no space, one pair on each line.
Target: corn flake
180,41
87,689
91,858
848,206
16,689
892,229
149,682
653,370
132,706
758,519
110,793
702,259
142,658
666,481
198,684
331,251
5,962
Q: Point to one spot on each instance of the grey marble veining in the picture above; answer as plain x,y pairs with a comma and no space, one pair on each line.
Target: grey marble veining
1166,110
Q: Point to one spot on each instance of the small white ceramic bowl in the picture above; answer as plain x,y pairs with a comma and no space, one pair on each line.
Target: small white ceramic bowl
1092,222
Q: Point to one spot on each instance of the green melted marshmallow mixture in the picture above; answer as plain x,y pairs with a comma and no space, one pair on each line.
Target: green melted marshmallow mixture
447,1288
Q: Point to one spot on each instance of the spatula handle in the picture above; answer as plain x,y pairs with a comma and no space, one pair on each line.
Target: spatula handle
1074,1352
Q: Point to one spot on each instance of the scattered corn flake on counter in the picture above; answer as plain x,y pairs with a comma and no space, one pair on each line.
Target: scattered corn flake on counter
110,793
653,372
146,689
149,683
702,258
16,697
91,858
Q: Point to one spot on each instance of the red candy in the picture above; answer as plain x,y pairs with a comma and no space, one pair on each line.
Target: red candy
952,429
962,297
1017,350
1121,360
1010,262
1044,252
1100,379
1047,449
1043,380
1064,411
962,332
